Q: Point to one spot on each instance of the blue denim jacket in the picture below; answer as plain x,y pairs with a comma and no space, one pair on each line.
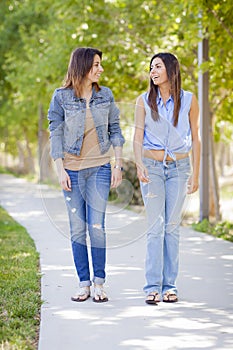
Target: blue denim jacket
67,114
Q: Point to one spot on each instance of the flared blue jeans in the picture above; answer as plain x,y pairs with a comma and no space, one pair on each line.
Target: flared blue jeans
163,198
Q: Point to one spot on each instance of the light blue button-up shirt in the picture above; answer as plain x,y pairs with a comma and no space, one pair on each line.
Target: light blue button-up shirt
161,134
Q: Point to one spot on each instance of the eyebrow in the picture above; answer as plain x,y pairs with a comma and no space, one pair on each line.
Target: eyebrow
156,64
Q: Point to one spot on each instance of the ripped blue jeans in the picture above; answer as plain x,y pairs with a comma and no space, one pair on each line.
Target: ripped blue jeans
163,198
86,205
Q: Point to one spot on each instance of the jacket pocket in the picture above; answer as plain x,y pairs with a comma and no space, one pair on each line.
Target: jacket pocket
102,105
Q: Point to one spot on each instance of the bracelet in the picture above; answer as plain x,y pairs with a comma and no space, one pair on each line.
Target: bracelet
118,167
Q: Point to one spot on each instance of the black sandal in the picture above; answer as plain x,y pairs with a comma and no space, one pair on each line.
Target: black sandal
99,294
170,297
83,295
153,298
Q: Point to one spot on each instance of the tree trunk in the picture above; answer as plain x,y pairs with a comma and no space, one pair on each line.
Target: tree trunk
26,161
222,156
214,186
30,163
21,157
46,170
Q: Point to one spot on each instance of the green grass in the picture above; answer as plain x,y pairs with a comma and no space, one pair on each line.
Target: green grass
20,299
4,170
222,230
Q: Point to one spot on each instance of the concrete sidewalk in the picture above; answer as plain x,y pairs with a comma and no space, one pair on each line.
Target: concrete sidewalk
202,319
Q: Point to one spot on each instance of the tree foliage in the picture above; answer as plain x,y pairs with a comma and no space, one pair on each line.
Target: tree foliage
37,38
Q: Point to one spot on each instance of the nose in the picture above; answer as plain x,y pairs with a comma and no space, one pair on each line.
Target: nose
153,69
101,69
152,72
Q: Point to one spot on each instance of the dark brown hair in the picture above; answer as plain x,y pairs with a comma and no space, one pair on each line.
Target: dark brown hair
173,73
81,61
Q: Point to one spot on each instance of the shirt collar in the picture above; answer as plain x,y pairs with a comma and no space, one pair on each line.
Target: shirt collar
160,100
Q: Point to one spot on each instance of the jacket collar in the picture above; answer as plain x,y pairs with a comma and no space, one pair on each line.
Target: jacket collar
95,95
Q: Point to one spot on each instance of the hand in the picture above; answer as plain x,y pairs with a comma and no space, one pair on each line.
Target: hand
116,177
192,185
64,180
142,173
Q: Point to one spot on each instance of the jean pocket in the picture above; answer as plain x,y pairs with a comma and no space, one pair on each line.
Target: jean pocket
184,167
148,162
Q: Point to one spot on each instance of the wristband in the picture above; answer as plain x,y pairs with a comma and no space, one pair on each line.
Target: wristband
118,167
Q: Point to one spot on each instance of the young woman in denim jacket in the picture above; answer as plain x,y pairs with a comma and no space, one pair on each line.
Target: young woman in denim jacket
166,129
83,124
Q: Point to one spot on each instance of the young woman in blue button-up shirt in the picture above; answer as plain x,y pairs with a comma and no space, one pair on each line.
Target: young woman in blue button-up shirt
83,124
166,132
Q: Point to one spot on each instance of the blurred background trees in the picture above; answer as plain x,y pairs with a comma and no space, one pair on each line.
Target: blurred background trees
37,37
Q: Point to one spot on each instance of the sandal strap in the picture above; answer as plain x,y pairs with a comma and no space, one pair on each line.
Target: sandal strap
155,296
153,293
170,296
99,291
84,291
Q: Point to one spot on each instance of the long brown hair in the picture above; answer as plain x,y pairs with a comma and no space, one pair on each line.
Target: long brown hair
173,73
81,61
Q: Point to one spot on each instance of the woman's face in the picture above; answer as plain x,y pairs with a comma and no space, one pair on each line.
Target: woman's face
96,70
158,72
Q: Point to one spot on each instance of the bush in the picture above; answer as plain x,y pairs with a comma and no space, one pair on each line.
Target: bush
222,230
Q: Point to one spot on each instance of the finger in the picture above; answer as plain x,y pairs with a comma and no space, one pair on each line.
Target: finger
195,188
68,188
144,178
69,182
112,181
118,182
141,175
65,186
192,189
114,185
